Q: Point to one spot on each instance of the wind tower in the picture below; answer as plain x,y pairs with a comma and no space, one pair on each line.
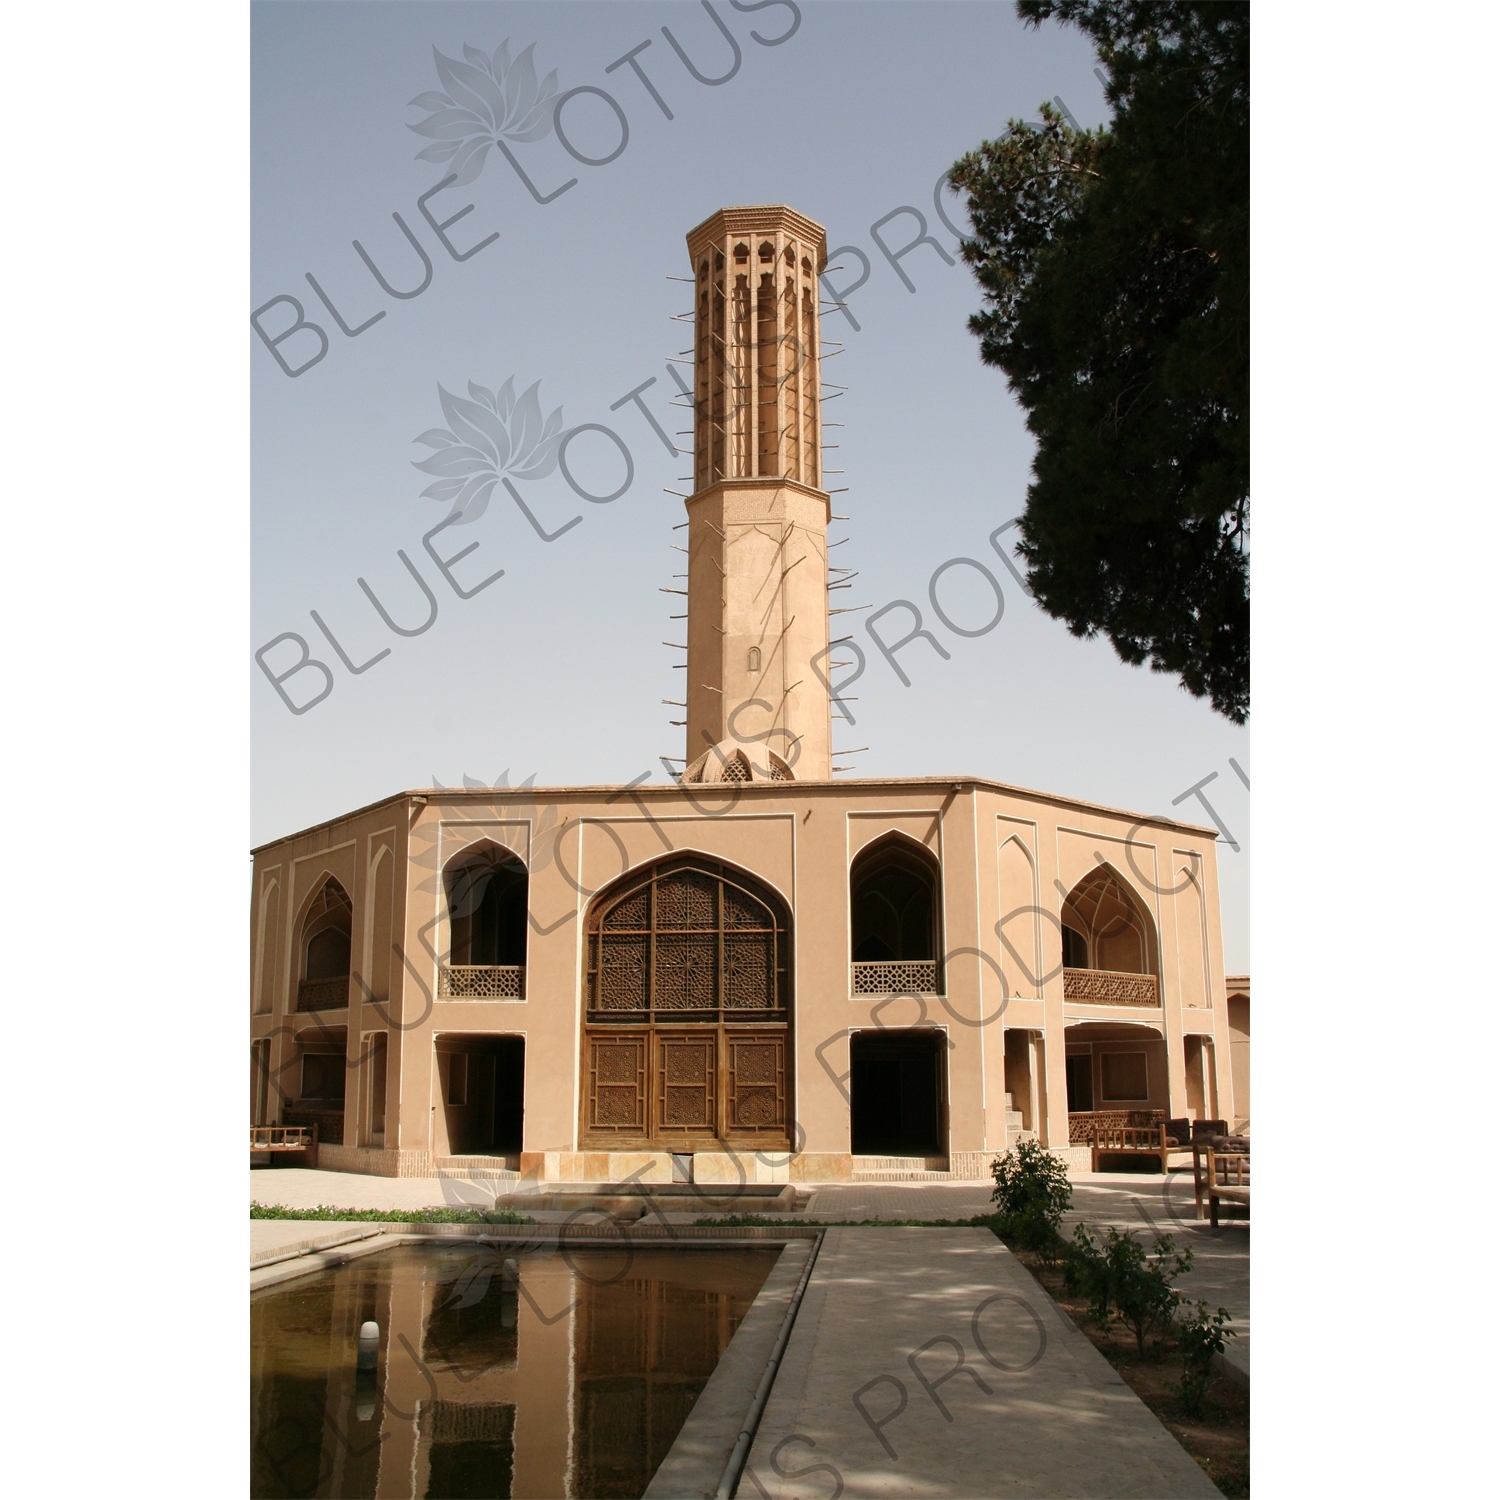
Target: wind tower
757,641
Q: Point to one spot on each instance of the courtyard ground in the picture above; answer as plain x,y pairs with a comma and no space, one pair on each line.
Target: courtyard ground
1143,1202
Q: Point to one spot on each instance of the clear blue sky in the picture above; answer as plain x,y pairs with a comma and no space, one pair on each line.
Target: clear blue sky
557,669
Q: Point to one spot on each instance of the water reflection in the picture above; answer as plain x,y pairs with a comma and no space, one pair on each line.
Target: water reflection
572,1379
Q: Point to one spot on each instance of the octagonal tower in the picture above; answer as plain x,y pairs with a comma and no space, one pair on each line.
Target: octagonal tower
757,707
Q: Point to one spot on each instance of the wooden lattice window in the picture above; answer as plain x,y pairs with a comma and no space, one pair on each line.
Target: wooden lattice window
689,940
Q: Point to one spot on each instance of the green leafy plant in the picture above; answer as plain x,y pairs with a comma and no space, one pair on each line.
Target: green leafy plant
1121,1280
326,1213
1032,1193
1199,1338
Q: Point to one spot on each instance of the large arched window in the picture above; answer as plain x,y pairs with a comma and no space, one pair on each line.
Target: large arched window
688,1005
487,896
1109,943
894,918
324,981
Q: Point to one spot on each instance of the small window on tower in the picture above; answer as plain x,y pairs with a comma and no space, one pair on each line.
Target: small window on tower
767,250
703,267
806,266
718,260
788,257
755,658
741,254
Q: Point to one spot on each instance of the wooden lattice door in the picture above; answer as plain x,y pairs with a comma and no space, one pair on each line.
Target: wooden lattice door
689,962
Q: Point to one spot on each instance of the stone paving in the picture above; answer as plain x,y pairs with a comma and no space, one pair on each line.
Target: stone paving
302,1187
927,1362
280,1236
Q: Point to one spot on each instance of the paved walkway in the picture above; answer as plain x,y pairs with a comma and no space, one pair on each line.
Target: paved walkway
281,1236
302,1187
927,1362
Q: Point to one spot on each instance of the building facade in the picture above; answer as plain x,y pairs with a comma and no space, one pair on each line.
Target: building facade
764,971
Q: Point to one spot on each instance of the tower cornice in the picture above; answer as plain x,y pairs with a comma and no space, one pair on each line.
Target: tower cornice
765,218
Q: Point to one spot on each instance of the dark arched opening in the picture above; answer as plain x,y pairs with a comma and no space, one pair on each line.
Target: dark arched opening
324,981
894,918
487,914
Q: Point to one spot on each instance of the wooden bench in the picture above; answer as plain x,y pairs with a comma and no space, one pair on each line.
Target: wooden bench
1130,1140
265,1139
1221,1169
1121,1132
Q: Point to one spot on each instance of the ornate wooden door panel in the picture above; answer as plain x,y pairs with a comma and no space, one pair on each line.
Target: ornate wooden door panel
617,1084
756,1102
685,1092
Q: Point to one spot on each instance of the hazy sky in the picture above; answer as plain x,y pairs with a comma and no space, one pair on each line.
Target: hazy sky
556,669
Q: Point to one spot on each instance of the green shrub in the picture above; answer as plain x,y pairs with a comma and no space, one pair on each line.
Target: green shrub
1121,1280
1199,1338
1032,1193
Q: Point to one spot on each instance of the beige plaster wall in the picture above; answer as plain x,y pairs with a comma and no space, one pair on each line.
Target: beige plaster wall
366,853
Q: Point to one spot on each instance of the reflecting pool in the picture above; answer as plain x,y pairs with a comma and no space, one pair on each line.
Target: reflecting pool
572,1380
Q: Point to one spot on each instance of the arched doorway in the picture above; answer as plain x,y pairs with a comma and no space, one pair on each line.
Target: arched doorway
688,1009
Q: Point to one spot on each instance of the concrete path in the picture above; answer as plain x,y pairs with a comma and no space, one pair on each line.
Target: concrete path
282,1236
303,1187
927,1362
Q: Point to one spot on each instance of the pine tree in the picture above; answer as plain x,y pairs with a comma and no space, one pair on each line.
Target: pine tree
1115,269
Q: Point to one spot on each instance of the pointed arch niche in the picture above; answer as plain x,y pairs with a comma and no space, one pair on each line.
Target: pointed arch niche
895,906
1020,926
486,888
1110,948
323,950
688,1010
268,946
